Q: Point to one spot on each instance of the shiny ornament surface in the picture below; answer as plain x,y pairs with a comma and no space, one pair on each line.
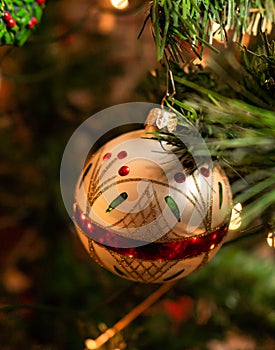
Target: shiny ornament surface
142,216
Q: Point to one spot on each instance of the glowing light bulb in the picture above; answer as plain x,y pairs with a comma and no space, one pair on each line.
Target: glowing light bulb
90,344
236,219
120,4
271,239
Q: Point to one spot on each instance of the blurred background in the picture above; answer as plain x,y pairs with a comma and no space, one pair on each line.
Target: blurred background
84,57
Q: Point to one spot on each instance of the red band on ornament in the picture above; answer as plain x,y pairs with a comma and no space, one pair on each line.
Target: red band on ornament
175,250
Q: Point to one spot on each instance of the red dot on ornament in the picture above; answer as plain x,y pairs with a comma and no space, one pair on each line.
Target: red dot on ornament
40,2
205,171
179,177
124,170
122,154
107,156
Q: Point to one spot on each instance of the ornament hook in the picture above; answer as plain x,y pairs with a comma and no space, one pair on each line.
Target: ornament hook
169,78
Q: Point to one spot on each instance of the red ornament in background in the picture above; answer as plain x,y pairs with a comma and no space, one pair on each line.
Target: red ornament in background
19,19
6,16
11,23
179,310
33,21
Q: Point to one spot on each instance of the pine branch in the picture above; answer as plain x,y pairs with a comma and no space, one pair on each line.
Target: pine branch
242,138
240,133
231,98
192,24
261,66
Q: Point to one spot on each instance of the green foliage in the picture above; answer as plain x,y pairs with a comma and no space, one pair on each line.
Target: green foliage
229,98
22,14
242,138
261,66
233,293
186,22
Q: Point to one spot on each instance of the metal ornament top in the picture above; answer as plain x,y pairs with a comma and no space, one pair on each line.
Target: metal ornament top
162,118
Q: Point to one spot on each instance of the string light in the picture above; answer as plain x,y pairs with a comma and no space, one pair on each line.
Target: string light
271,239
236,219
120,4
90,344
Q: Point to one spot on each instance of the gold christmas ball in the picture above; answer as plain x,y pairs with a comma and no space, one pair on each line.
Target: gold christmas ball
144,217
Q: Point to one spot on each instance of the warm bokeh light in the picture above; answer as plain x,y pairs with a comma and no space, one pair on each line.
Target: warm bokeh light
236,219
90,344
120,4
106,23
271,239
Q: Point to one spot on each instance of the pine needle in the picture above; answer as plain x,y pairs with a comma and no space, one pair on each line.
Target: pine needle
194,21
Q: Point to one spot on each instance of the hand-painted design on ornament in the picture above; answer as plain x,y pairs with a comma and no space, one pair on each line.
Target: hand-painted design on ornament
138,166
118,200
85,174
139,211
19,19
160,224
173,207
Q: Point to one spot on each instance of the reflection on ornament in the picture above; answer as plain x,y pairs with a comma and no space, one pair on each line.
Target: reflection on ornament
271,239
236,219
120,4
142,216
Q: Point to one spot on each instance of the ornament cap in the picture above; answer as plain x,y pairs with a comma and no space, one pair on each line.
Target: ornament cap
162,118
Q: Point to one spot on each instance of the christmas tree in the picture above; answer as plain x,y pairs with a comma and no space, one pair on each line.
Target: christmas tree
210,62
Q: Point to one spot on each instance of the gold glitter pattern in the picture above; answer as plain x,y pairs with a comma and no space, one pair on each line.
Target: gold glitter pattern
143,271
147,210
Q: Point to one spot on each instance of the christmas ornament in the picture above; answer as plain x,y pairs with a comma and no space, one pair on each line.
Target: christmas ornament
18,19
144,217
